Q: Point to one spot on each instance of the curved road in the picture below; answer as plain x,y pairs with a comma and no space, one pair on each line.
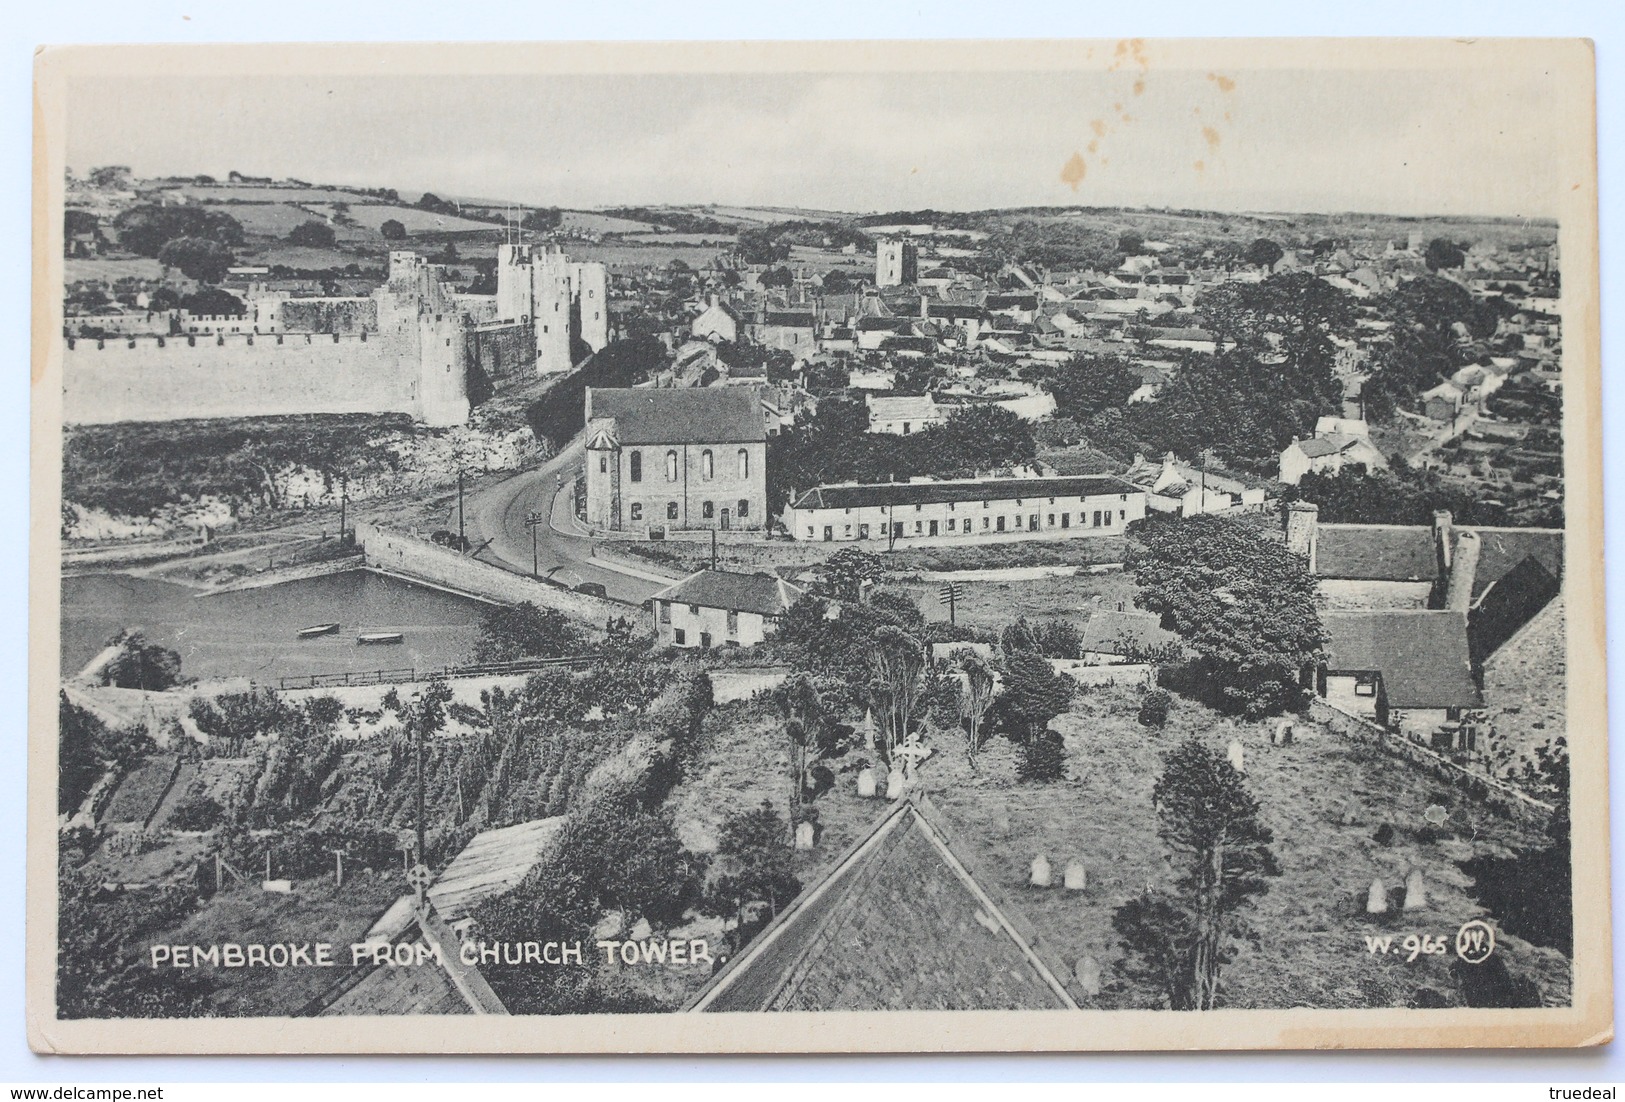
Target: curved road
494,521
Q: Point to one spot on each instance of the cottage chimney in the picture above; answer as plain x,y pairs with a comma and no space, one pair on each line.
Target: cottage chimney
1458,594
1442,524
925,306
1303,530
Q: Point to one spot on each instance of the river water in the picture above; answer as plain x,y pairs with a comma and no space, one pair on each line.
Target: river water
253,632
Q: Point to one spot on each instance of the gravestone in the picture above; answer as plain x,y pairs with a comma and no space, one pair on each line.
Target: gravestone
866,783
1376,899
1282,735
1040,872
1238,757
1075,878
894,784
1087,971
281,886
1416,891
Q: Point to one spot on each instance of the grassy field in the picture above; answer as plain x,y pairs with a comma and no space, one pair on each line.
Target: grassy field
993,605
110,269
592,222
623,256
1324,798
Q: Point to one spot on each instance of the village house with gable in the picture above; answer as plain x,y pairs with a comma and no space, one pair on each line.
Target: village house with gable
715,608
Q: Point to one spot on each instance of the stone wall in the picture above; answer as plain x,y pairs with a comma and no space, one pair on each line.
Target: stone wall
415,558
178,378
502,351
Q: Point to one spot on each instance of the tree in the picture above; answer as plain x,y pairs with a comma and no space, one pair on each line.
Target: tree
1131,242
392,230
896,659
1088,384
814,738
213,302
1264,253
1443,253
315,234
851,570
1154,707
1531,891
777,277
197,258
542,220
1179,941
429,201
753,864
837,282
1240,600
975,698
87,749
509,633
1034,693
147,228
143,665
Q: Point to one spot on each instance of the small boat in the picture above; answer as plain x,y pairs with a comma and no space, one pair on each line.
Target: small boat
380,638
316,630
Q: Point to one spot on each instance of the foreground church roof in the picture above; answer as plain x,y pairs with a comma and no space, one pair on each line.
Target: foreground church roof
900,923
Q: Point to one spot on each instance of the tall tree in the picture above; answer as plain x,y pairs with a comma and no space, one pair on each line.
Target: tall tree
896,659
1264,253
975,698
1241,601
1034,693
1179,941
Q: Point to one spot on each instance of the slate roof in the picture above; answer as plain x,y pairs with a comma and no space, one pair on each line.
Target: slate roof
1325,445
889,325
921,407
1502,549
900,923
1028,301
1422,655
1515,599
1110,631
699,415
790,319
493,862
1376,552
443,985
988,489
762,594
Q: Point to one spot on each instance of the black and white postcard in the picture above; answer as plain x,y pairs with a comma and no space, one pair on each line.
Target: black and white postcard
817,547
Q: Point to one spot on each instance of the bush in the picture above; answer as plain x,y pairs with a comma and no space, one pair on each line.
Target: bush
312,233
196,813
1042,759
1154,707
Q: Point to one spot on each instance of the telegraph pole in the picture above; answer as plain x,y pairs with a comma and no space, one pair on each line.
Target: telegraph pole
533,521
344,502
462,539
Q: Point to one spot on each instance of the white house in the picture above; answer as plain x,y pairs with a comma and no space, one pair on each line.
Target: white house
715,608
1183,490
716,322
970,509
901,416
1328,453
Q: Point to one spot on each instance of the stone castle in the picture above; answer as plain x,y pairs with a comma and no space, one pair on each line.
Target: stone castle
409,347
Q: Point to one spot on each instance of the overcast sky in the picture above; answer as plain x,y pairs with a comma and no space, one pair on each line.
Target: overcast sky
1464,142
